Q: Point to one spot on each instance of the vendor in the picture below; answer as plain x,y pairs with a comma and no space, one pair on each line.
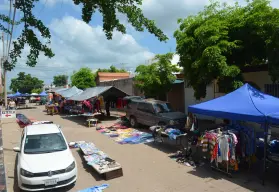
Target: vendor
107,107
189,121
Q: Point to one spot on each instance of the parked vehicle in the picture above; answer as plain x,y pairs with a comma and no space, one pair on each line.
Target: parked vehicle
44,159
153,112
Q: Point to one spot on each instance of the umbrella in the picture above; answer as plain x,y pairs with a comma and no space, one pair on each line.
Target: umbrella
43,94
10,95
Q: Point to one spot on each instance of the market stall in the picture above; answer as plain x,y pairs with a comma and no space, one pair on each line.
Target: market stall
94,101
243,104
100,161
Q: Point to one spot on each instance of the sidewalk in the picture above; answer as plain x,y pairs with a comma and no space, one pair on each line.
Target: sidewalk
11,138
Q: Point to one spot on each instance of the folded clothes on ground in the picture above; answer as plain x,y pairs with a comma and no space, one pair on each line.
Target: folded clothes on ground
99,188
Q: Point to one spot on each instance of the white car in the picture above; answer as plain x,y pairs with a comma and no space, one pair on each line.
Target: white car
44,159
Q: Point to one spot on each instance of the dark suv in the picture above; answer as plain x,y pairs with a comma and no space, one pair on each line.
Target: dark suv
153,112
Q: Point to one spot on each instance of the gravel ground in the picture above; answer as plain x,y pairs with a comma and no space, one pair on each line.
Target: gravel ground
146,167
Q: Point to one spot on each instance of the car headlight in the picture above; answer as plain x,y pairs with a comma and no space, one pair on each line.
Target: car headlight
71,167
25,173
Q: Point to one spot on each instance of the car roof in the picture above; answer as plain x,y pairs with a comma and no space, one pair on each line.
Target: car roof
153,101
41,129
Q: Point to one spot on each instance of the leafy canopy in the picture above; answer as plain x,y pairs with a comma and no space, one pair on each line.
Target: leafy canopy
156,79
219,41
60,80
37,90
108,9
84,78
25,83
112,69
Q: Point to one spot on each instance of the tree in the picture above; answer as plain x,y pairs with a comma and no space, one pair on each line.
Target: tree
112,69
60,80
37,90
218,42
25,83
108,9
156,79
84,78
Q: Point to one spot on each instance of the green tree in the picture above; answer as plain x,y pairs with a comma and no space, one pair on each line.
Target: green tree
108,9
60,80
156,79
112,69
37,90
84,78
25,83
218,42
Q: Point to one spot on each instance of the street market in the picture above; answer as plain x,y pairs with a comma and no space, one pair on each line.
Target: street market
192,153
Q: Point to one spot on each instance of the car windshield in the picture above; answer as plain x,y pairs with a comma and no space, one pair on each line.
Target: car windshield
163,107
45,143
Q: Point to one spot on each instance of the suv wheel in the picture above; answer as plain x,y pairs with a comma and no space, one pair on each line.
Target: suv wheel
133,122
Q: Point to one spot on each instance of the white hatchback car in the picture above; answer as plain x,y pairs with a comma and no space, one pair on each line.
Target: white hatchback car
44,159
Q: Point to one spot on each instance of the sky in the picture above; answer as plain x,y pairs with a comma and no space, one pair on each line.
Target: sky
77,44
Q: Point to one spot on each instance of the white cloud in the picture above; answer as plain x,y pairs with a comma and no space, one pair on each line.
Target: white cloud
77,44
166,12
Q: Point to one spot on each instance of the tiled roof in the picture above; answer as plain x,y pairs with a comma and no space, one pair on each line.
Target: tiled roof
103,76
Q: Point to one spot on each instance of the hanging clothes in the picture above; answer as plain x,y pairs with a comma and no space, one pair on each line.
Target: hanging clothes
102,103
119,103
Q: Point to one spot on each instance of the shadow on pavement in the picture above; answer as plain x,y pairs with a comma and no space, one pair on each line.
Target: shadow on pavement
88,168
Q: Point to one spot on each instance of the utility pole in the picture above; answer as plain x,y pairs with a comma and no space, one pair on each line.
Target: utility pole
4,71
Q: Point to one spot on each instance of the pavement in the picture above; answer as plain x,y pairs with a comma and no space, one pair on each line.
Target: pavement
146,167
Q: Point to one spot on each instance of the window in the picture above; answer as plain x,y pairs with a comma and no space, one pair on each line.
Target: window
46,143
272,89
163,108
146,107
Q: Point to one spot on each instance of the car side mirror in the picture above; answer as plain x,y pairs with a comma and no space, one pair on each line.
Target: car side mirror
16,149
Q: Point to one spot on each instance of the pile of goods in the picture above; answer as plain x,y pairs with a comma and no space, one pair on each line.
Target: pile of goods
93,156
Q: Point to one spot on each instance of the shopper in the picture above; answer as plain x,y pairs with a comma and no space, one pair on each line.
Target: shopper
12,105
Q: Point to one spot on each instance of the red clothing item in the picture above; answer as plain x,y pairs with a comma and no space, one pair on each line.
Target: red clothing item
119,103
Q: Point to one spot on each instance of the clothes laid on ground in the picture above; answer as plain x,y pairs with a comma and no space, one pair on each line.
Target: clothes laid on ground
173,133
99,188
124,135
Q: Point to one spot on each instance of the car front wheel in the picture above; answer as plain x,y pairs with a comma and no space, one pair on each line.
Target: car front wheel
133,122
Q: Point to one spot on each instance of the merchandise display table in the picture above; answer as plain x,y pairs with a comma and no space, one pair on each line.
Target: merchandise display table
100,161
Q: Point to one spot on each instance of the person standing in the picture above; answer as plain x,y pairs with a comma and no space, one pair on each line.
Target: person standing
12,105
107,107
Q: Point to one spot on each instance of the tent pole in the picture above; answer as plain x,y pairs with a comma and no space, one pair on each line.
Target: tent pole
265,146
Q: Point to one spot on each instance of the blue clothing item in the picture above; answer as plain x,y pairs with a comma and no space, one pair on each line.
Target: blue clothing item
95,188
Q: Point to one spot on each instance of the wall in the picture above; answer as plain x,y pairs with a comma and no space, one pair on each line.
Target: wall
176,97
260,78
190,99
125,85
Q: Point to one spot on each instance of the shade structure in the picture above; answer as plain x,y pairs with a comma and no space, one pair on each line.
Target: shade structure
106,91
17,94
245,103
70,92
25,95
10,95
43,94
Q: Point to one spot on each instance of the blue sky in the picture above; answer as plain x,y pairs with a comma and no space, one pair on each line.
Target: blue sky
77,44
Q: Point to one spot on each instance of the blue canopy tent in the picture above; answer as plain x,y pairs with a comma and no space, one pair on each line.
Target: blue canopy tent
17,94
246,104
25,95
10,95
43,94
